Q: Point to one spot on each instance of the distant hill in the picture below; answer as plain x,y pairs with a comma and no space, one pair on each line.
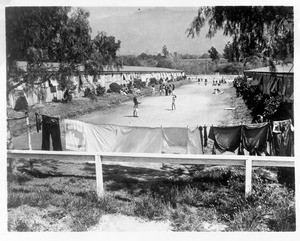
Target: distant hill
149,30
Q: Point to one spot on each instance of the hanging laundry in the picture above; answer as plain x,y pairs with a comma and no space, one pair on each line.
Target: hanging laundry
274,85
174,136
225,138
280,85
51,128
194,145
205,136
255,138
81,136
38,122
201,136
289,88
138,139
283,137
75,135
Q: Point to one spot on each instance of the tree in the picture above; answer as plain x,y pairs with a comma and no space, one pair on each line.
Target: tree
213,54
54,42
165,51
42,36
204,56
265,31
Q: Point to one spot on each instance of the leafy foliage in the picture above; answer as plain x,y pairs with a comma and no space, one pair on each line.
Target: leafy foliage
115,87
55,42
138,83
213,54
152,81
266,31
165,51
269,106
231,51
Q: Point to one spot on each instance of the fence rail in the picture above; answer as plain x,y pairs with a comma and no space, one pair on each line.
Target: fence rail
99,157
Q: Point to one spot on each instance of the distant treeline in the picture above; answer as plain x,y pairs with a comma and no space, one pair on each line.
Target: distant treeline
191,64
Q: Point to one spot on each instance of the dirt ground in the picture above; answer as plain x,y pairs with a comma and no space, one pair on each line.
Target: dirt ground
195,105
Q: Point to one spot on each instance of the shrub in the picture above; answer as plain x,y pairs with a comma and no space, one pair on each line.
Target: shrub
152,81
86,92
115,87
100,90
138,83
256,101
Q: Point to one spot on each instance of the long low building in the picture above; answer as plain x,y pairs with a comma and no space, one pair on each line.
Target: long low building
122,75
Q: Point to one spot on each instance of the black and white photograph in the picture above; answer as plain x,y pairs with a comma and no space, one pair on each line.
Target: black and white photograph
166,117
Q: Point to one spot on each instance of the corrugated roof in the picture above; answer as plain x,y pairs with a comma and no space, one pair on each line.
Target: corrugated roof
124,69
282,69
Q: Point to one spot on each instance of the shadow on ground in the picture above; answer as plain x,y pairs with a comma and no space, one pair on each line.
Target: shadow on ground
116,177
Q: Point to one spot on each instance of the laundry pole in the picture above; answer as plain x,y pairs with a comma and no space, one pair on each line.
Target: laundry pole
28,130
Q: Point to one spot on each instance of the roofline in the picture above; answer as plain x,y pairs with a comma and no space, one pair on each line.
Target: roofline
267,72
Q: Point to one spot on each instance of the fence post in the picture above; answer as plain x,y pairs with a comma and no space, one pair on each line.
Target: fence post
248,177
99,176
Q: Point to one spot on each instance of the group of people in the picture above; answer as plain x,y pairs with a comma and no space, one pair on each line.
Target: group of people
219,81
166,89
201,80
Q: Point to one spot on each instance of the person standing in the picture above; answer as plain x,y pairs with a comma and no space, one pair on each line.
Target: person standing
173,88
135,106
173,102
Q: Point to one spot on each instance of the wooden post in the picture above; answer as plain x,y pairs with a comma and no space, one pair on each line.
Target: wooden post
28,130
248,177
99,176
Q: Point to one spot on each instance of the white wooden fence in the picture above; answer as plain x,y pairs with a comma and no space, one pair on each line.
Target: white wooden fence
100,157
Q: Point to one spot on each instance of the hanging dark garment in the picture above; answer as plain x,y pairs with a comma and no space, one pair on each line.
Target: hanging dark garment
289,88
274,85
201,136
21,104
225,138
51,128
280,85
255,138
205,135
38,121
283,138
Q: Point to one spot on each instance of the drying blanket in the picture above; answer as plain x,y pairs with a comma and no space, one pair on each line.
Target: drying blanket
81,136
255,138
138,139
225,138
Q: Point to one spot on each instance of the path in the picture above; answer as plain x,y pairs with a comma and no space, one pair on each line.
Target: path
195,105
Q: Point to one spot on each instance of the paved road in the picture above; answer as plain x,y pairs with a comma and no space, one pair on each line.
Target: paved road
195,105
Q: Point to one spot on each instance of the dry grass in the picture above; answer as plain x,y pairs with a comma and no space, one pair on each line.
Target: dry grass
202,200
